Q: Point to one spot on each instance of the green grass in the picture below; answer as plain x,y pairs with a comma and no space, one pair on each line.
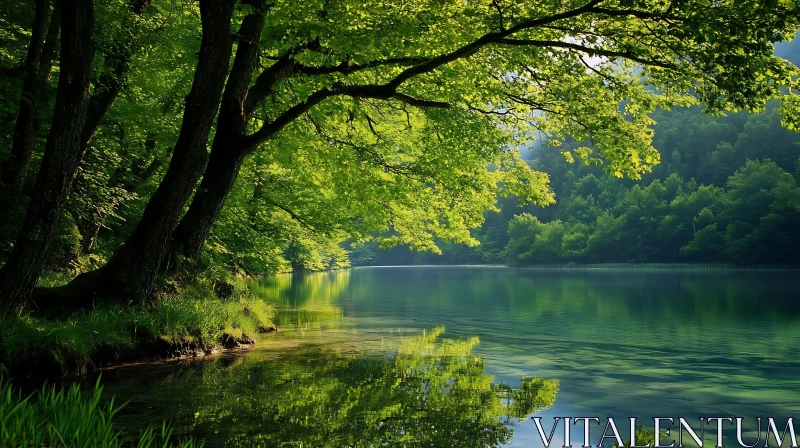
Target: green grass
192,316
196,315
69,418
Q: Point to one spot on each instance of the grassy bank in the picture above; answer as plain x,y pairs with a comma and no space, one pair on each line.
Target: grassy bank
71,418
193,320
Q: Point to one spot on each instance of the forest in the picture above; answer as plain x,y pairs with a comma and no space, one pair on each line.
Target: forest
156,155
725,192
303,134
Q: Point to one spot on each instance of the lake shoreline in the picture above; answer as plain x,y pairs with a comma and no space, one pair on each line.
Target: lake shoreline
108,357
197,321
606,266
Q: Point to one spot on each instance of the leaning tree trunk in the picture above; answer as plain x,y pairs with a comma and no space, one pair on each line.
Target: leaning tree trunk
131,272
25,129
223,168
61,157
226,155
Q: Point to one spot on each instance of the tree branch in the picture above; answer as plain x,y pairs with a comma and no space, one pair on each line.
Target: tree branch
389,90
292,214
499,14
588,50
347,68
634,13
269,78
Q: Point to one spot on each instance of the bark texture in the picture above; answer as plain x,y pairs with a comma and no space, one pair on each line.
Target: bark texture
61,158
226,153
132,270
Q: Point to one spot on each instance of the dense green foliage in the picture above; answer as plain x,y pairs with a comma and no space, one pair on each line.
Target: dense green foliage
150,144
70,419
725,192
309,126
130,150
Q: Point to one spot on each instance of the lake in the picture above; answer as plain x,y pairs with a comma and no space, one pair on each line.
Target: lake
460,356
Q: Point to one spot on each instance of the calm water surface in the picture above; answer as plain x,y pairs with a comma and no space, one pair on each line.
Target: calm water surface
350,366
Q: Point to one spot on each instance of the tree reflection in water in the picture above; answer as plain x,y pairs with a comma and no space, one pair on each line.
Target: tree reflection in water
428,391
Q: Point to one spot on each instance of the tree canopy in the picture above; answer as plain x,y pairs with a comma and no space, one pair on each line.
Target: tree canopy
306,124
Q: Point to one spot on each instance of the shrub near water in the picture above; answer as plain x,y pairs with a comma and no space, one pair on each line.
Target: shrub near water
69,418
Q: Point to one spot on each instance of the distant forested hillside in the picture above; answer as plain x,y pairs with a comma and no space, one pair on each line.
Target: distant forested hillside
726,190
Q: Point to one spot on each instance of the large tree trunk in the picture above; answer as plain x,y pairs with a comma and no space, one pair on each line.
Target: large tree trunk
131,272
223,168
25,129
61,157
226,156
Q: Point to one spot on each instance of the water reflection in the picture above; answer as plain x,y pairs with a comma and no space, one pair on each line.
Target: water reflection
620,343
428,391
304,301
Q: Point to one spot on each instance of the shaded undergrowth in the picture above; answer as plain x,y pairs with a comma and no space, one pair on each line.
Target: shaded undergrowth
192,320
